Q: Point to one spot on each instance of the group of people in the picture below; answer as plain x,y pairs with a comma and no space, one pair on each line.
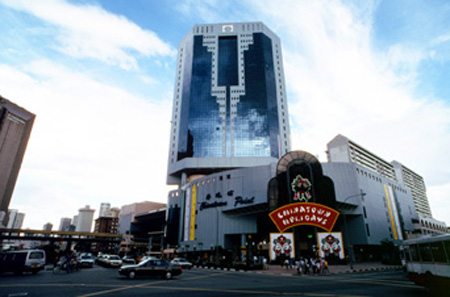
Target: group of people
308,266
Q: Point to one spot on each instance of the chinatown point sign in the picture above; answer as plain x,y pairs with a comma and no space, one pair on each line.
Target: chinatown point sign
307,213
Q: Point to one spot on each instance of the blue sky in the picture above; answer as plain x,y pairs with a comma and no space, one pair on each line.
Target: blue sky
99,76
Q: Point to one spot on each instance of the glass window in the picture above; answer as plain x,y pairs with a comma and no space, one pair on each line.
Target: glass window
437,249
406,253
36,255
447,250
425,252
414,253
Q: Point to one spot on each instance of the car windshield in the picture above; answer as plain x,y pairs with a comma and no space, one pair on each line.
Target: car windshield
86,257
114,258
180,259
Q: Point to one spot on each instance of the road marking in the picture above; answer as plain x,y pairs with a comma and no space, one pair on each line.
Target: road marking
241,291
146,285
366,281
117,289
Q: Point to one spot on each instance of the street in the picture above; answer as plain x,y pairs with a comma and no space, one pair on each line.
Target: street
100,281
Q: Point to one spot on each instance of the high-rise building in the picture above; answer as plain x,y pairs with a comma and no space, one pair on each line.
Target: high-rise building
416,184
64,224
47,227
107,223
15,219
85,218
342,149
104,209
15,129
230,108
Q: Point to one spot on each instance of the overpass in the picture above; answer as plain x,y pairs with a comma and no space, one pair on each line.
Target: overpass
69,236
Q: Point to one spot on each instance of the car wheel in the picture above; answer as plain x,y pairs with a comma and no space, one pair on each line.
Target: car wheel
131,274
168,275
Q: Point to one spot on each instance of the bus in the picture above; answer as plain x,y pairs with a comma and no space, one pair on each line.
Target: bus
428,260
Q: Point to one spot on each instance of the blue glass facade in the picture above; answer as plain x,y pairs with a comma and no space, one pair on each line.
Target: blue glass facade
229,108
255,126
200,124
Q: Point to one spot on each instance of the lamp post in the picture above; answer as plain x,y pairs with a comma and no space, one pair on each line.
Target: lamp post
347,237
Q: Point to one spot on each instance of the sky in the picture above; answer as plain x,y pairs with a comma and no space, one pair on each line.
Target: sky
99,75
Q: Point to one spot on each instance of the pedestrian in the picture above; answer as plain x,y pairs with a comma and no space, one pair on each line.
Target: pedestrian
265,267
68,263
313,265
325,265
286,263
307,266
299,267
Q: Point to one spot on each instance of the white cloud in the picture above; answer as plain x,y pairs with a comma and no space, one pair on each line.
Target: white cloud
440,201
91,143
88,31
339,84
103,143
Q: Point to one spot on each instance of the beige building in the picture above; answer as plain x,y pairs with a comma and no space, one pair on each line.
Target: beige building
128,212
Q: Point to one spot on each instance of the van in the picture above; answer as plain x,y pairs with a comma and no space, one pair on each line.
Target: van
22,261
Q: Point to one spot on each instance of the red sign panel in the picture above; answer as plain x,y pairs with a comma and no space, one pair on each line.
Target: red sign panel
295,214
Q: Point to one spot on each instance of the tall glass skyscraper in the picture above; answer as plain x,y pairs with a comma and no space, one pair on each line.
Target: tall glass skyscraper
230,108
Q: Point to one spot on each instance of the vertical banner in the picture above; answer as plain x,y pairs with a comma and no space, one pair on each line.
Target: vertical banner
330,244
282,246
393,213
187,215
193,205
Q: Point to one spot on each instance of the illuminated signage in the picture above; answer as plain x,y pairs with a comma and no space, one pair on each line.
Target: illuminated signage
296,214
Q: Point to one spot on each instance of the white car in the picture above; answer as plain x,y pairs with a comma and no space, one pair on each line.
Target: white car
113,261
86,260
182,262
145,258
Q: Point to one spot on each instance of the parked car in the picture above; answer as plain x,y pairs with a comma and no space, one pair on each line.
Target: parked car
100,260
113,261
182,262
86,260
22,261
128,260
151,267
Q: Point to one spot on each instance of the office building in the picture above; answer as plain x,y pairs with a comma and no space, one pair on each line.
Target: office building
64,224
47,227
106,224
343,150
15,219
230,107
416,184
104,209
84,219
15,130
237,186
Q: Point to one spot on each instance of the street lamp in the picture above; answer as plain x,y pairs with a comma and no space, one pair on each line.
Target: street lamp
347,237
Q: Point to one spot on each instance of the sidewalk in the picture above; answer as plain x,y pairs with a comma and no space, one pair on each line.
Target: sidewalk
334,269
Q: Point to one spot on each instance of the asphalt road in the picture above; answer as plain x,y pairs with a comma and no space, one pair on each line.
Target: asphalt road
104,282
